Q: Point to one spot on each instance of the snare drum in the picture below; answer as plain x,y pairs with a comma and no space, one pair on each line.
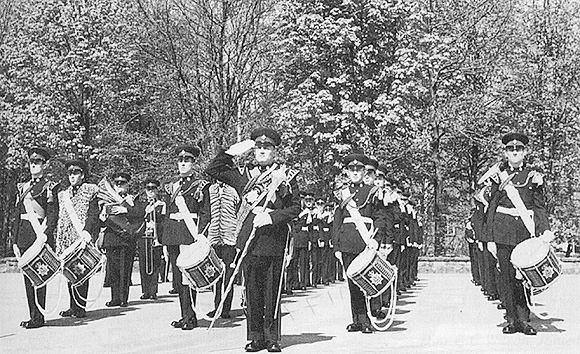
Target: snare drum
537,263
40,264
371,273
81,261
200,265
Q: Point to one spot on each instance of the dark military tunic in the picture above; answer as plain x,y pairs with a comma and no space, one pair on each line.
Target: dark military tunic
303,235
507,230
176,233
263,264
43,193
154,217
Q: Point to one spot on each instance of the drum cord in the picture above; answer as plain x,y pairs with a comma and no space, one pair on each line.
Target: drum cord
390,315
90,303
55,309
530,299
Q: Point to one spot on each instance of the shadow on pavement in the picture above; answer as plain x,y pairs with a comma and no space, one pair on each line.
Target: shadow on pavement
92,316
304,338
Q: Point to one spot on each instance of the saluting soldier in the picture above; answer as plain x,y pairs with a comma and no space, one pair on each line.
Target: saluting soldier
149,244
77,202
188,213
517,212
35,206
270,201
121,220
358,223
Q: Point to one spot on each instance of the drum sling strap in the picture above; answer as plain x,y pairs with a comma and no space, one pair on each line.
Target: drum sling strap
74,218
356,218
191,225
33,212
516,199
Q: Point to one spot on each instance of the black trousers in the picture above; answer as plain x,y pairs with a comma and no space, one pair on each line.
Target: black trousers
78,296
263,276
149,285
186,294
35,314
479,255
414,264
227,254
473,258
357,298
120,261
327,262
316,258
303,266
490,272
514,298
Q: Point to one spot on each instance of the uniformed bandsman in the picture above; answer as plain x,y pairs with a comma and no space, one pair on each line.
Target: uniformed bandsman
35,199
317,243
270,201
188,213
149,241
358,223
303,231
517,212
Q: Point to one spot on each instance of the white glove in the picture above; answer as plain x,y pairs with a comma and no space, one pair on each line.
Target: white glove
86,236
240,148
492,248
117,209
547,236
338,255
373,244
480,245
262,219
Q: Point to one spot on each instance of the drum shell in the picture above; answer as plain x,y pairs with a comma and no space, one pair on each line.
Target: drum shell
41,268
371,273
80,264
541,269
204,270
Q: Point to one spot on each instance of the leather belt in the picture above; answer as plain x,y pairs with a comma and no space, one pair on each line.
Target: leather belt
350,219
259,210
181,216
29,216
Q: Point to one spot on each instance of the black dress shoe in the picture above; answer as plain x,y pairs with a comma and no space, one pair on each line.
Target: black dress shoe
509,329
153,297
80,313
189,324
501,306
178,324
226,315
367,329
24,323
492,297
145,297
124,304
34,324
528,330
174,291
379,315
255,346
210,314
354,327
66,313
113,303
289,292
273,347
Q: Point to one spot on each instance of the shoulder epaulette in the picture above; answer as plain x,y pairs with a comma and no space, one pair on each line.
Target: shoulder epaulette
201,184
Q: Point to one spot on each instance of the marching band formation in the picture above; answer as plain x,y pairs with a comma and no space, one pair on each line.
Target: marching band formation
252,224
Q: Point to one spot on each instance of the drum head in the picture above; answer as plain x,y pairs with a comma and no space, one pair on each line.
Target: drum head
360,261
529,252
193,254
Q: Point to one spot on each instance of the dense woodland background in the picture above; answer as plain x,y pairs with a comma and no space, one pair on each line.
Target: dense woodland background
427,87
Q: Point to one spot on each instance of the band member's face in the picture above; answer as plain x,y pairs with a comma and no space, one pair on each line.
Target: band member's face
151,192
380,181
36,166
370,176
515,154
185,165
355,173
264,153
308,202
121,186
75,176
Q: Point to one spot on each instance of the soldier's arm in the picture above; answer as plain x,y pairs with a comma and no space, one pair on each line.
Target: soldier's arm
52,214
15,222
93,223
292,206
205,211
539,208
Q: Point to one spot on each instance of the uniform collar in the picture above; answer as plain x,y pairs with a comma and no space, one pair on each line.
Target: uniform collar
34,181
516,169
185,179
357,185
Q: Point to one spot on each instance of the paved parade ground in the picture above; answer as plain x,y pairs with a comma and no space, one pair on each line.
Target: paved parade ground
443,313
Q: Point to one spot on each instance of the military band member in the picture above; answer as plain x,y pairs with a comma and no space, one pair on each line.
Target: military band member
35,199
472,249
325,237
79,198
224,201
303,231
316,242
358,223
270,201
149,243
188,206
120,221
517,212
